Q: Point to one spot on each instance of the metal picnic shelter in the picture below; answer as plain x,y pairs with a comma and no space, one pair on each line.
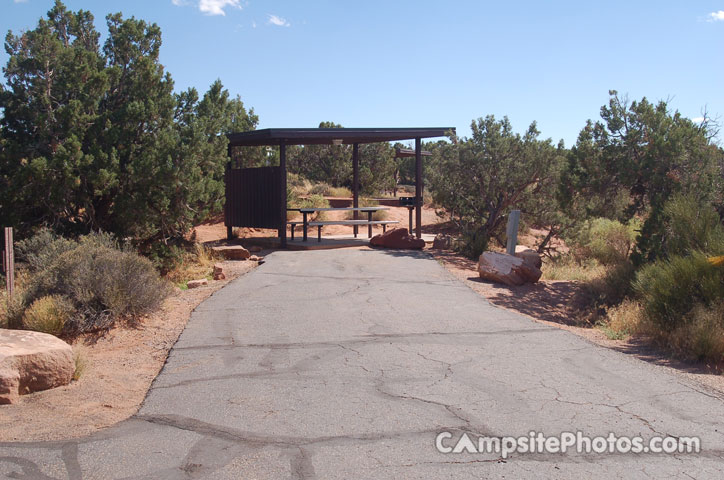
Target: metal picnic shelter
257,197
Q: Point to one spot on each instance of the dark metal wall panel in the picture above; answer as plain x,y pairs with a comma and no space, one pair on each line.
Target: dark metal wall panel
252,197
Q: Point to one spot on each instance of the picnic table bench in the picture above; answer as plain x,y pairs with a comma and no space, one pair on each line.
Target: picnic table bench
319,224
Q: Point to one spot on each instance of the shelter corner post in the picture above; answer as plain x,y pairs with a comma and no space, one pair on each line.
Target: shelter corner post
355,183
418,187
283,193
229,227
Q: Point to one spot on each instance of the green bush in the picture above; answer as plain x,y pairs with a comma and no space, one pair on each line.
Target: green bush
703,336
104,284
613,286
608,241
164,256
691,226
297,181
670,289
3,310
320,189
48,314
315,201
472,244
11,310
293,201
622,320
40,250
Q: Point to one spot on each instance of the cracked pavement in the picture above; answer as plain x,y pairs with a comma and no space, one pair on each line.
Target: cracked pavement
339,364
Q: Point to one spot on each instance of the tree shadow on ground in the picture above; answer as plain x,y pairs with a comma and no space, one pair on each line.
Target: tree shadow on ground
401,252
644,348
553,302
557,302
564,303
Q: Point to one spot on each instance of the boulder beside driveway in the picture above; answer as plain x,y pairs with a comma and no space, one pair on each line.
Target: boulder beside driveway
529,256
31,362
442,242
232,252
507,269
397,238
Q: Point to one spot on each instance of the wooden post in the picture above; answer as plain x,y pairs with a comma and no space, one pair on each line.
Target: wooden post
418,188
355,183
512,231
283,193
9,262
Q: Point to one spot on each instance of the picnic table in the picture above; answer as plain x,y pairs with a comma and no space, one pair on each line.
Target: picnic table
319,224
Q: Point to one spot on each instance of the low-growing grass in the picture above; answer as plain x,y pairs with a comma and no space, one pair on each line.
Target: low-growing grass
49,314
623,320
565,267
195,264
320,188
11,310
342,192
81,362
701,337
3,309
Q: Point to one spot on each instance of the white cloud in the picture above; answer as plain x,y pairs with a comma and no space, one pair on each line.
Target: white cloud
180,3
216,7
278,21
717,16
20,1
698,119
253,24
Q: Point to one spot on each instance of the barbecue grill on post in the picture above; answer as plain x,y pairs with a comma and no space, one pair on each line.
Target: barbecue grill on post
410,203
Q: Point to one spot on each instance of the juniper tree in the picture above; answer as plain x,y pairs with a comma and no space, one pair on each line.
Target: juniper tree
634,160
478,180
94,138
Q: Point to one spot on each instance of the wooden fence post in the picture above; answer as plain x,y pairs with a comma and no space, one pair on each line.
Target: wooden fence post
512,231
9,261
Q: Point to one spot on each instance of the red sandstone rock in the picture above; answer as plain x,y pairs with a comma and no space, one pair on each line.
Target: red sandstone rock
31,362
442,242
397,238
219,272
529,256
233,252
197,283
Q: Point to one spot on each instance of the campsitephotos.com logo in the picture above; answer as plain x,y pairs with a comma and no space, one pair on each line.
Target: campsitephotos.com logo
537,442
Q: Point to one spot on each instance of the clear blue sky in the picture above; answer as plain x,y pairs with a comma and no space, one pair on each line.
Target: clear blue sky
424,63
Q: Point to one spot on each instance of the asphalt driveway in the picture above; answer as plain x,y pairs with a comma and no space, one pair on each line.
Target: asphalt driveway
348,364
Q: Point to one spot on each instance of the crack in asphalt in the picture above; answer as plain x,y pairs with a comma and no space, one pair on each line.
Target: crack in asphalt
285,441
386,280
380,338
